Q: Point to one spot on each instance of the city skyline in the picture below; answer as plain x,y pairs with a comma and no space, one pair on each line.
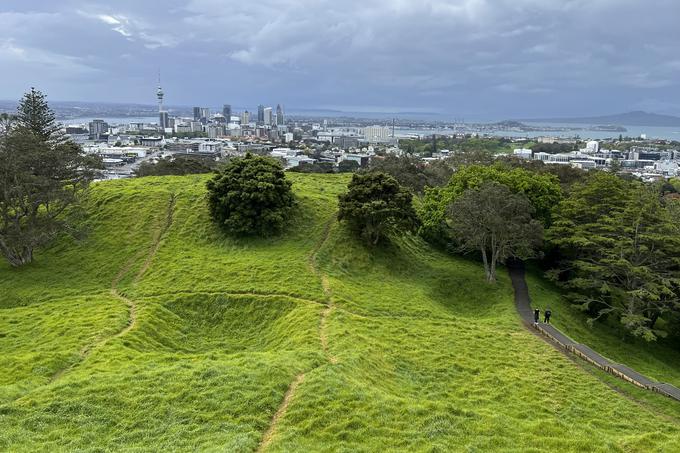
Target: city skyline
472,58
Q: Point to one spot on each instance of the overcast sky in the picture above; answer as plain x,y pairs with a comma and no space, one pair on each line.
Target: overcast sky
484,58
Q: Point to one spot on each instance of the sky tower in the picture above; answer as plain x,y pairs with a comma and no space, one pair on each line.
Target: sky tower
163,120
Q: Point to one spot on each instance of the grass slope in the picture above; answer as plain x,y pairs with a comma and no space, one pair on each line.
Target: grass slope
659,360
155,332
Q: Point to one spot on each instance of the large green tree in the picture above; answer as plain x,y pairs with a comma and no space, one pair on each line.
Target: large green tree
497,223
375,205
619,253
542,190
42,177
251,196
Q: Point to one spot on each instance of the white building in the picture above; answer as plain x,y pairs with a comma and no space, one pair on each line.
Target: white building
667,167
523,153
592,147
542,156
268,116
377,134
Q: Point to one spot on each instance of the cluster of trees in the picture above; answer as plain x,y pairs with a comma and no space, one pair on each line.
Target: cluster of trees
612,243
615,248
178,164
43,176
426,146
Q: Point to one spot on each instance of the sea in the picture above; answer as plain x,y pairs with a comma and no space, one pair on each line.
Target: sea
564,130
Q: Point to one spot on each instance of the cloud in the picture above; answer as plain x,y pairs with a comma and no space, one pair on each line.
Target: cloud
134,29
458,55
59,65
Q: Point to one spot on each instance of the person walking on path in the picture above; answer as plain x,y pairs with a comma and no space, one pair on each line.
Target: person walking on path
546,316
537,316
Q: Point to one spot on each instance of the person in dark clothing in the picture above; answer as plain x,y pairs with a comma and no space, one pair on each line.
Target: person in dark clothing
546,316
537,316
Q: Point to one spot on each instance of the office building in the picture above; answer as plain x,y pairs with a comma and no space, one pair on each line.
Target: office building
205,115
245,118
163,121
98,128
268,116
376,134
197,114
226,111
260,115
280,120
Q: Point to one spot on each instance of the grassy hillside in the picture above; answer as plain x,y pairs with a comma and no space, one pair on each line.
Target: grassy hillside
659,360
155,332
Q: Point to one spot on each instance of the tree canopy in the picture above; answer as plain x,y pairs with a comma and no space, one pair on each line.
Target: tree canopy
42,178
618,253
375,205
542,190
251,196
493,220
179,164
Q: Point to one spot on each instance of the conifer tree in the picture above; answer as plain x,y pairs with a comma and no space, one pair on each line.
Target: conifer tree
42,177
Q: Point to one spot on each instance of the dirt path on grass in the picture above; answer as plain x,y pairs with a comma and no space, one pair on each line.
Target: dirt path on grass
323,337
555,337
158,239
328,293
287,398
132,307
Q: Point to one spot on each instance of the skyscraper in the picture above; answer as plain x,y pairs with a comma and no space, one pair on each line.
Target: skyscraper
268,116
197,114
97,129
260,114
245,118
205,115
226,111
280,120
164,121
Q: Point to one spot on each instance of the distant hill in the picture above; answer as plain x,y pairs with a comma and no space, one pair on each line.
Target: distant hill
636,118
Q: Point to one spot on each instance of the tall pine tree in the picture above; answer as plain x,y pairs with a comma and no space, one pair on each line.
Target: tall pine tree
42,177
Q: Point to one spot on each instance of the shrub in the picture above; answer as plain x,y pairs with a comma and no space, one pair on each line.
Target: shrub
375,204
250,196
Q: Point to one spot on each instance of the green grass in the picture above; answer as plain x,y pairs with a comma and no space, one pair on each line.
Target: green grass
659,360
416,353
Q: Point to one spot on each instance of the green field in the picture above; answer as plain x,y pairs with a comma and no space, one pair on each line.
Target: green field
154,332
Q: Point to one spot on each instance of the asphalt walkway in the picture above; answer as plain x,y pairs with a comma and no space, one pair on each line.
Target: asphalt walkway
523,304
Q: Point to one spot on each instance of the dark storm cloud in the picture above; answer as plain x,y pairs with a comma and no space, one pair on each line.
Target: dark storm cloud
480,57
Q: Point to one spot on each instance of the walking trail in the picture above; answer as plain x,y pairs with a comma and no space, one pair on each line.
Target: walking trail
132,307
323,337
523,304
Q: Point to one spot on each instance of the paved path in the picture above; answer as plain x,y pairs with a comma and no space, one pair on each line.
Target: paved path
523,304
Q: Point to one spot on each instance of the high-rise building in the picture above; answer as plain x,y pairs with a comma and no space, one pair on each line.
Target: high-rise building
197,114
245,118
260,114
98,128
268,116
163,121
280,120
375,134
205,115
226,111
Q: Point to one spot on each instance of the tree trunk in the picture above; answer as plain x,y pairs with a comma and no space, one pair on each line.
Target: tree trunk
17,258
487,271
492,269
